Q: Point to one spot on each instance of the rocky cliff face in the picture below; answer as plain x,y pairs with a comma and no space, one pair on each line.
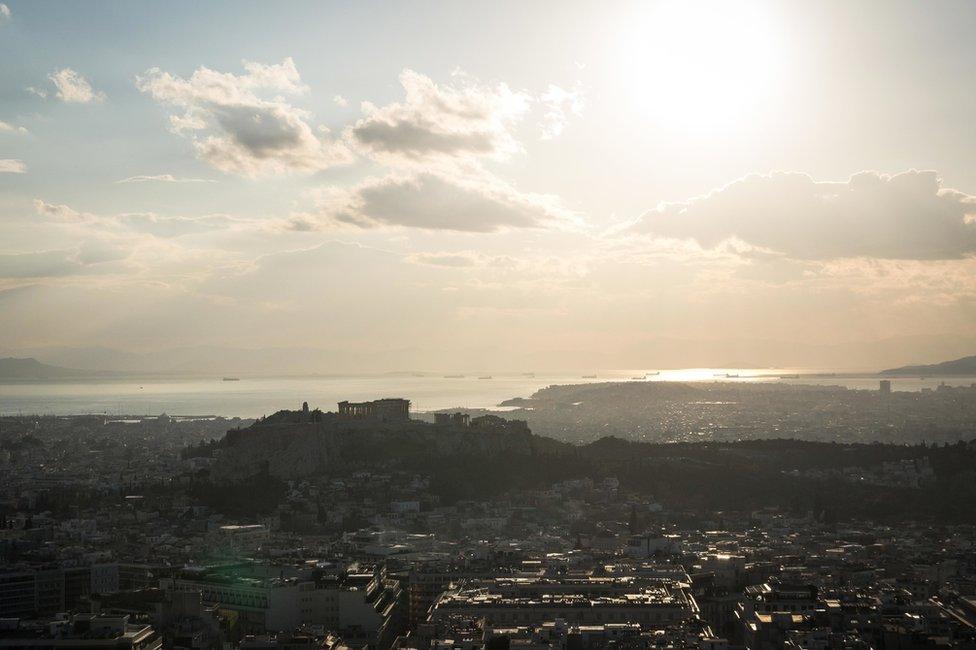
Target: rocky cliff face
290,445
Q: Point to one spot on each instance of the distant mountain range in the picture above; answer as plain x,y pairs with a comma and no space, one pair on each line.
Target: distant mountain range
33,370
958,367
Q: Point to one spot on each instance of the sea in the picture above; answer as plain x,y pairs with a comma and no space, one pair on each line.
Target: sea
250,397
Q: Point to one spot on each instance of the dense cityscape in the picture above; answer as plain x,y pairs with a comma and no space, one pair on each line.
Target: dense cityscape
723,410
373,527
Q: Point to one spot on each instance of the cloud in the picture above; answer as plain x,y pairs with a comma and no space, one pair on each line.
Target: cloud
12,166
175,226
560,105
61,212
148,247
432,201
905,216
4,13
340,100
242,124
73,88
466,260
41,264
58,263
40,92
139,223
460,120
163,178
10,128
100,252
283,280
449,260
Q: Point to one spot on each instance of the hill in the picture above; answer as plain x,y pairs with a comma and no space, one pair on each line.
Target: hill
958,367
33,370
493,456
292,445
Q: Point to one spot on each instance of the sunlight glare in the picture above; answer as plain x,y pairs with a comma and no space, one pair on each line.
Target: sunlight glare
700,65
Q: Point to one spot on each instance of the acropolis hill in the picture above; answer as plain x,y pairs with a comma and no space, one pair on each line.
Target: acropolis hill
295,444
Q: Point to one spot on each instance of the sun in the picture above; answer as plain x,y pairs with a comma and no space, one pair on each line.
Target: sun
700,65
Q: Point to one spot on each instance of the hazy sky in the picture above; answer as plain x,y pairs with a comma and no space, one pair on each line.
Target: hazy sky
497,184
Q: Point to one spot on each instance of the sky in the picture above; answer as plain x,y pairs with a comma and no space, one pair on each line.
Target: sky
492,185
